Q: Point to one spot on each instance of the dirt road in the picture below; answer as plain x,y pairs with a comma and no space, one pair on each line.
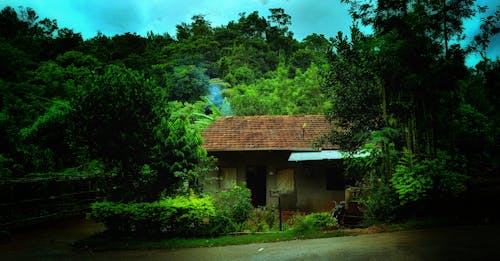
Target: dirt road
455,243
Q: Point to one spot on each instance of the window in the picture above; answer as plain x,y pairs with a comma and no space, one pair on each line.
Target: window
284,180
228,178
335,179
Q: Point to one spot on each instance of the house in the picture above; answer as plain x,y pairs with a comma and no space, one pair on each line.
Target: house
274,155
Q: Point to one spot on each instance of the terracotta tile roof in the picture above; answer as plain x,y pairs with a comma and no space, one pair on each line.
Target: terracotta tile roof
265,133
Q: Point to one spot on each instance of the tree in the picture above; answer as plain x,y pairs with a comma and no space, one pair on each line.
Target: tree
354,89
278,36
408,77
186,83
298,95
314,49
113,121
177,153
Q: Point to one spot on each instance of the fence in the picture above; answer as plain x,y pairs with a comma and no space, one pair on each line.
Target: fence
30,201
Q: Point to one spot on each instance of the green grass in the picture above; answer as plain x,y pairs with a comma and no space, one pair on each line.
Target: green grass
414,223
101,242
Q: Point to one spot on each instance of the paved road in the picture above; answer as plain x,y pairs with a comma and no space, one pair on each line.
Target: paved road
457,243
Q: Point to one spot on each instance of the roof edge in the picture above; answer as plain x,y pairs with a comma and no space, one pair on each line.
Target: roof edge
262,149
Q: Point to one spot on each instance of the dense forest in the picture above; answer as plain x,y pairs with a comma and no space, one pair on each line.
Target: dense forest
129,104
132,106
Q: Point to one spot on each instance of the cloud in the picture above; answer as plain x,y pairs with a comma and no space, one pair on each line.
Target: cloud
119,17
322,17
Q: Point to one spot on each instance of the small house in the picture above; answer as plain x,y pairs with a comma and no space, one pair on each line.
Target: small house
275,156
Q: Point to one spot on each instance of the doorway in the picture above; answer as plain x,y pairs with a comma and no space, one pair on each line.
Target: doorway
256,182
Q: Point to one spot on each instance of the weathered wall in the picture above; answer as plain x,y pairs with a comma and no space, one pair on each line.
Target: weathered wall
312,194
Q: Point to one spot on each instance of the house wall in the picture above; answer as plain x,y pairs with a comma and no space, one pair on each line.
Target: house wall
310,192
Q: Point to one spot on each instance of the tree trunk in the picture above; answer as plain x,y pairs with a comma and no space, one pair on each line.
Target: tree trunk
387,156
445,29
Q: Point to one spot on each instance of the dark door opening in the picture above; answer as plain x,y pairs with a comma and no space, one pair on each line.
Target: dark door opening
256,182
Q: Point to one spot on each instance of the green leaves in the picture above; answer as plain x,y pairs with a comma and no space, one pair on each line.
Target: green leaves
56,115
415,180
353,88
234,204
411,180
177,216
186,83
280,94
178,154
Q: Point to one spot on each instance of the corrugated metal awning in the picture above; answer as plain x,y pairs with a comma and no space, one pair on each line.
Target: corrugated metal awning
320,155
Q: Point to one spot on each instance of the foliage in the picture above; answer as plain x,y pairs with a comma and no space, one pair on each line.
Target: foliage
447,174
380,203
300,94
5,171
353,89
315,222
415,180
411,180
186,83
410,76
194,113
89,169
151,152
56,113
235,203
176,217
67,101
261,219
177,154
124,101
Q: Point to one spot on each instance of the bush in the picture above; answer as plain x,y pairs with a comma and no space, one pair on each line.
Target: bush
315,222
380,203
234,204
261,220
412,180
180,216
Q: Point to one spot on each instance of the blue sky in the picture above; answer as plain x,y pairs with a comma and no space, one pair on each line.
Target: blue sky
140,16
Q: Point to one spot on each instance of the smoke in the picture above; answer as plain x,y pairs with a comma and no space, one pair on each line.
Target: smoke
215,97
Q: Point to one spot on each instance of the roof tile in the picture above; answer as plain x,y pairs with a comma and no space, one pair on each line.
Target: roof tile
265,133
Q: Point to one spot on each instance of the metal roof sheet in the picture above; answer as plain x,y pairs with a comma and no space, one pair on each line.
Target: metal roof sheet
321,155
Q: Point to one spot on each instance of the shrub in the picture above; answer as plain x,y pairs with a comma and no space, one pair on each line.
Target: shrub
234,204
266,214
179,216
294,220
322,220
315,222
254,225
380,203
417,179
261,219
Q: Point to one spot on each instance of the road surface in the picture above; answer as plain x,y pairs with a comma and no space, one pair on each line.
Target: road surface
453,243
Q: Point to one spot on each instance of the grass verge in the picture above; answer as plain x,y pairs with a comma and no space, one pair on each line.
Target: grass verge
104,242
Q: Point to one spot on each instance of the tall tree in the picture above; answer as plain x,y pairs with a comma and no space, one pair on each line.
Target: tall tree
410,75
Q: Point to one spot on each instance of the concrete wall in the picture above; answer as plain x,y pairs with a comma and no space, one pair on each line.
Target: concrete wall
310,193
